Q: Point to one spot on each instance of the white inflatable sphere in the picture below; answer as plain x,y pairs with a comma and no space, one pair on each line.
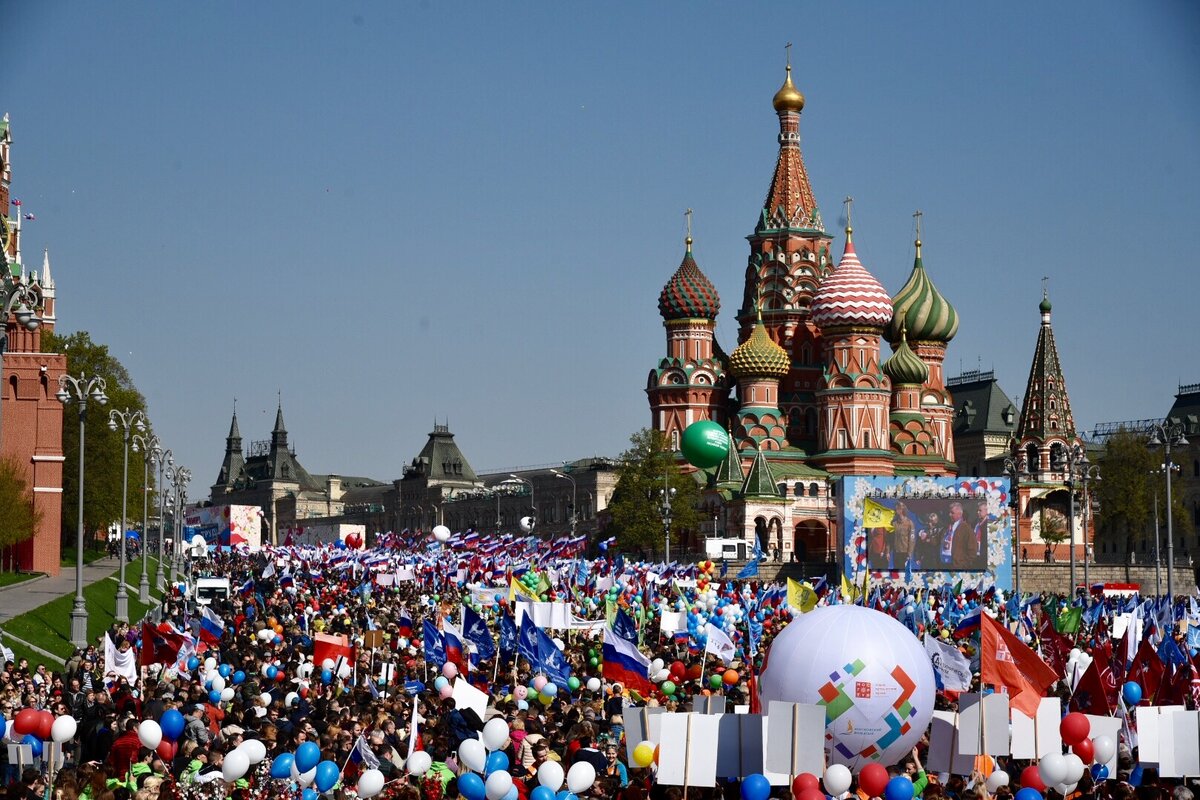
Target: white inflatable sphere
527,524
869,671
441,533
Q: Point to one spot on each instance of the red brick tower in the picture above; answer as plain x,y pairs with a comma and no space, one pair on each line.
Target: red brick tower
31,418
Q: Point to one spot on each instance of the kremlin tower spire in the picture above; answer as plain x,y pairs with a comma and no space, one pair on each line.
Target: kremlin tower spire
689,384
852,310
1046,427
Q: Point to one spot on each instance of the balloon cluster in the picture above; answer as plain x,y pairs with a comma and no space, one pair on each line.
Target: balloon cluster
1062,772
489,777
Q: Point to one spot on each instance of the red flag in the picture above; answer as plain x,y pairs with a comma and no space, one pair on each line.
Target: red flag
1090,695
1056,648
160,645
1102,658
1177,688
1146,670
1005,661
331,646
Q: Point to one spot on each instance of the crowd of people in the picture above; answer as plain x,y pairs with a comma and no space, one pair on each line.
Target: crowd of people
371,659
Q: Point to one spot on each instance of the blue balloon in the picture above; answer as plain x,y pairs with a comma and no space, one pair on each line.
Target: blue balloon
898,788
214,697
1028,793
541,793
281,765
756,787
327,775
511,794
1099,772
307,756
326,676
273,671
1135,776
193,663
309,794
566,794
3,726
497,761
239,677
34,743
172,724
439,682
224,670
471,786
1131,692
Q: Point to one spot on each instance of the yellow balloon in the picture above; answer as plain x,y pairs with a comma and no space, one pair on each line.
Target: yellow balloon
643,754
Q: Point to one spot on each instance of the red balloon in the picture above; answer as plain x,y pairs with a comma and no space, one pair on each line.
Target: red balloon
873,779
678,668
694,672
280,676
1085,750
166,749
45,722
1074,728
805,781
26,721
1030,779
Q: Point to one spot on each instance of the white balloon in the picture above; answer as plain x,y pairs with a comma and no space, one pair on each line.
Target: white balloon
559,644
837,779
327,663
290,699
593,684
304,671
370,783
265,698
1065,788
550,774
996,780
419,763
306,778
495,733
149,734
661,675
1052,769
344,671
210,664
441,533
254,749
1105,748
235,765
472,754
814,646
1075,768
226,694
63,729
218,683
580,777
657,664
497,785
527,524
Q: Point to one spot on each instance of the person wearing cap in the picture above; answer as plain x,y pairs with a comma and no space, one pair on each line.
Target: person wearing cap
195,730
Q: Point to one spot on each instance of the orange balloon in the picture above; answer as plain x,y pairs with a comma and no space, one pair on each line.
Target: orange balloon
731,676
694,672
656,754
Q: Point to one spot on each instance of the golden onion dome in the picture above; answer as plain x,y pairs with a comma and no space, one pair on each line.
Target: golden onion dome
759,356
788,98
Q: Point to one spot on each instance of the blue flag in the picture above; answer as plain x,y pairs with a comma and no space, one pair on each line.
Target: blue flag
1170,653
508,636
750,570
724,567
551,660
475,631
624,626
527,640
435,652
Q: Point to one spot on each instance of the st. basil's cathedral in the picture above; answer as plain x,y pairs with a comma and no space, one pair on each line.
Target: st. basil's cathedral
807,394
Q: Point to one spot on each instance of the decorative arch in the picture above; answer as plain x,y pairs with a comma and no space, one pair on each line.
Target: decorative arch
810,540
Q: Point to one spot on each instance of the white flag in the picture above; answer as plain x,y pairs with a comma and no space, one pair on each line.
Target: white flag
719,644
951,665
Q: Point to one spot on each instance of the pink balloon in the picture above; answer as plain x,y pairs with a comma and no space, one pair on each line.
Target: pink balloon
521,692
449,670
446,691
539,682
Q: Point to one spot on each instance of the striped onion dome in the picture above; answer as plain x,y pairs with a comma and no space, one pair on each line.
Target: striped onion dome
759,356
849,295
920,308
689,294
904,366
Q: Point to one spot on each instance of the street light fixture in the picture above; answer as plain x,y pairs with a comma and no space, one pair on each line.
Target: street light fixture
80,390
151,449
1090,473
19,299
574,493
124,421
179,477
166,460
1016,468
1076,463
664,509
1169,435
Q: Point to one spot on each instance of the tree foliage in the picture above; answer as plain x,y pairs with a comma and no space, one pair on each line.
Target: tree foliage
637,498
1131,477
18,517
104,448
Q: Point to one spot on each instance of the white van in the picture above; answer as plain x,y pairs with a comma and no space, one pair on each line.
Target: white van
209,589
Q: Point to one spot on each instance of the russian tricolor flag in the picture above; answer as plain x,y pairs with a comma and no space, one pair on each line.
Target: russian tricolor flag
968,624
404,624
452,642
624,664
212,627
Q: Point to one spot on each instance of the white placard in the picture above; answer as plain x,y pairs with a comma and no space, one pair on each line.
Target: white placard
467,696
1179,744
641,725
983,726
20,755
943,753
1149,725
739,745
795,738
688,750
709,704
775,778
1049,717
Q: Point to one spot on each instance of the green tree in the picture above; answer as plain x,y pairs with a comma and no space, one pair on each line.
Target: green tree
1131,478
637,498
105,448
18,517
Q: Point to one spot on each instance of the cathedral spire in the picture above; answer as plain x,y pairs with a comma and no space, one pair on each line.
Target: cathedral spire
1046,420
790,203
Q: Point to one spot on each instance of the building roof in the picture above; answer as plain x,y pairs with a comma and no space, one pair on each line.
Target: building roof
440,460
920,309
689,294
850,295
1185,410
1046,410
980,405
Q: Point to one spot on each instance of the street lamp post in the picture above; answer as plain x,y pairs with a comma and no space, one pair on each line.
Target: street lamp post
532,501
664,509
151,449
1169,435
1016,469
574,492
1076,463
19,299
166,461
80,389
1090,473
124,421
1157,550
179,479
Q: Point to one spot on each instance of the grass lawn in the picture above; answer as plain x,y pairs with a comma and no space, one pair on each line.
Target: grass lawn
10,578
21,651
90,554
49,626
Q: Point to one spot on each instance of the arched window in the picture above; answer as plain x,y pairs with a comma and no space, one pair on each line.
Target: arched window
813,490
799,489
675,439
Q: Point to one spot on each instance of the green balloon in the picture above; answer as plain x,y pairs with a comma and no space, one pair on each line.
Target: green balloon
705,444
593,661
714,681
573,683
668,688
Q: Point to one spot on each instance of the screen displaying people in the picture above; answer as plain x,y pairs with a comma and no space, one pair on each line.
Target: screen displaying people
931,533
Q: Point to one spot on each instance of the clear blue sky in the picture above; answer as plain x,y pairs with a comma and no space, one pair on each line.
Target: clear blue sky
393,212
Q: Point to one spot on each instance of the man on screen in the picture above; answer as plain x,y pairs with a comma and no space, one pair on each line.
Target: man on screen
961,538
981,520
903,537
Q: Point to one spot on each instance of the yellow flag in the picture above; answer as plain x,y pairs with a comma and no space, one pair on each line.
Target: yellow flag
847,590
866,585
516,590
801,596
876,515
